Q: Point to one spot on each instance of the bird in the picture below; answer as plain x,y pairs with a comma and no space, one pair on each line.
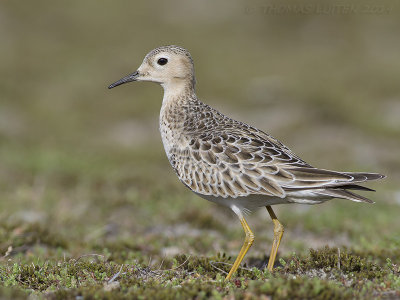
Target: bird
229,162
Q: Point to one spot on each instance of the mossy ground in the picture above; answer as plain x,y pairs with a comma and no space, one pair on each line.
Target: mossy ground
90,208
327,273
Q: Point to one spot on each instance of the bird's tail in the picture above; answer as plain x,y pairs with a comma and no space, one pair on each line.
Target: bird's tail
343,192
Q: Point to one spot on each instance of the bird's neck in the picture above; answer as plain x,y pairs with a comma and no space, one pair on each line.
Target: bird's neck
177,93
177,101
177,88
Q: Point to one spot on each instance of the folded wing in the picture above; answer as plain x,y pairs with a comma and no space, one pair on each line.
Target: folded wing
233,165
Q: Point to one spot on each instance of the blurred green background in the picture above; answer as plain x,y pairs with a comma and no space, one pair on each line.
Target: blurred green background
83,169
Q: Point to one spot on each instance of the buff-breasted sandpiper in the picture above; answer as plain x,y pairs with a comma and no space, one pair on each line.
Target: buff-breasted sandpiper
229,162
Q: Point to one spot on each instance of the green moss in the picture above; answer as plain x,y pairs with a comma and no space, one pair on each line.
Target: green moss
316,276
151,291
211,267
54,275
125,250
298,288
348,267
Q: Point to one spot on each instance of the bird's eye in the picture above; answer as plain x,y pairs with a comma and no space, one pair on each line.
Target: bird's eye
162,61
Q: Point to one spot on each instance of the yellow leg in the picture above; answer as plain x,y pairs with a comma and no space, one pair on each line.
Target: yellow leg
278,233
246,246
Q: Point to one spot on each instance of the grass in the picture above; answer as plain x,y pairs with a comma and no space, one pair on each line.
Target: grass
89,207
323,274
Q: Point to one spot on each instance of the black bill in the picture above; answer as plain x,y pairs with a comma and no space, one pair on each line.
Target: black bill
128,78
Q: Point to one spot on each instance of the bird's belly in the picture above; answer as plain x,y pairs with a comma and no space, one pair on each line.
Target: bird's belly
252,202
249,202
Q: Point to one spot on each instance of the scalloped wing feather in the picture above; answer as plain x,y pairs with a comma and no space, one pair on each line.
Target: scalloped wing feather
233,166
218,156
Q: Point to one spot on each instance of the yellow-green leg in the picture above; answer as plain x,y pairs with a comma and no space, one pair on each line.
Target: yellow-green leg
278,233
246,245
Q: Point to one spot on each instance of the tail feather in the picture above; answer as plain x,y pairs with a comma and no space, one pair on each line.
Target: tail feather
344,194
358,177
355,187
309,178
330,183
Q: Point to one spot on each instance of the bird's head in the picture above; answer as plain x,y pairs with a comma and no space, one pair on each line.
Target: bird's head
168,65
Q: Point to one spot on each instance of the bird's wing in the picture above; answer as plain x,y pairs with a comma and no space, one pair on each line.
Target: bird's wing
236,164
230,165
